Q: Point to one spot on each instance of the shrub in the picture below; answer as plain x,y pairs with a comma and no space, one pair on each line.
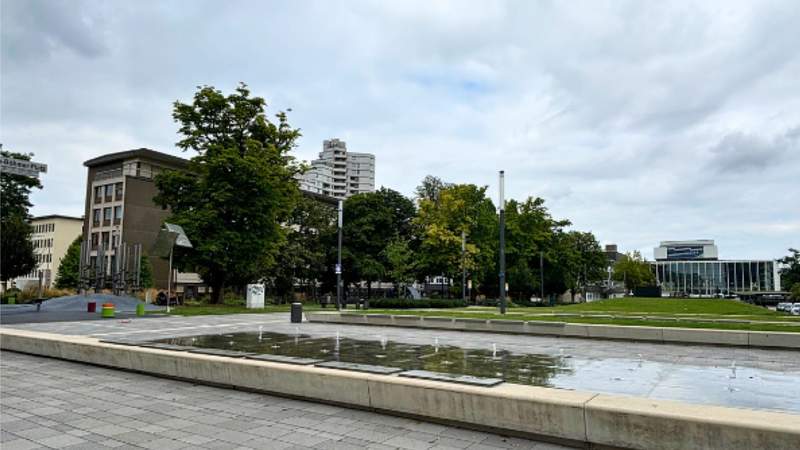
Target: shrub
401,303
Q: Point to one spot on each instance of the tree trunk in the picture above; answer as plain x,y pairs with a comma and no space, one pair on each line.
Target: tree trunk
216,291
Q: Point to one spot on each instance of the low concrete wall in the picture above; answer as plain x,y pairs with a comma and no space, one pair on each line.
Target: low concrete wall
568,416
618,332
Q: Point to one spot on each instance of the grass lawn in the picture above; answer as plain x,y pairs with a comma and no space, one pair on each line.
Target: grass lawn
205,310
693,313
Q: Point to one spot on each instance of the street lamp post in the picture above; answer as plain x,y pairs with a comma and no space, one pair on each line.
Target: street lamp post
464,266
339,262
502,244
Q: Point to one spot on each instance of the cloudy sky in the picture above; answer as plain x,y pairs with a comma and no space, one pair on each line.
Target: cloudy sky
639,121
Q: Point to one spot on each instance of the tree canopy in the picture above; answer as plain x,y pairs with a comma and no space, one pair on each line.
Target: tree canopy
17,257
237,190
68,276
634,270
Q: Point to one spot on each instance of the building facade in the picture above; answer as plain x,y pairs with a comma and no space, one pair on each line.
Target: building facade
339,173
119,204
51,238
692,268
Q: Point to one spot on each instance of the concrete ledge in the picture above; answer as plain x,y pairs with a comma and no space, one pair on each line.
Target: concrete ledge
700,336
578,330
567,416
770,339
507,326
438,322
656,424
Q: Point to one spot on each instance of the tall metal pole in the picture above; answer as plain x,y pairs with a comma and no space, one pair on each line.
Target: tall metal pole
502,244
464,266
339,261
541,274
169,279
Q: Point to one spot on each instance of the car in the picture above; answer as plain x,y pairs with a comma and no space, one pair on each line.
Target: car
795,311
783,306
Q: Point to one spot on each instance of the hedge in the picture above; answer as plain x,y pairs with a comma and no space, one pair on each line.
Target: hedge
401,303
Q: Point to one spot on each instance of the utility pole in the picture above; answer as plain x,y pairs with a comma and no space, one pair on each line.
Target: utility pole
541,274
339,262
464,266
502,244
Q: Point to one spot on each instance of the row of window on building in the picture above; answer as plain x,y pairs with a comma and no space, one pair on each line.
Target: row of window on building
43,243
108,214
44,258
104,238
108,192
44,228
715,277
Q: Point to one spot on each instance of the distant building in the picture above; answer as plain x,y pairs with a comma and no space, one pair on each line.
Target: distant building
339,173
119,203
51,238
692,268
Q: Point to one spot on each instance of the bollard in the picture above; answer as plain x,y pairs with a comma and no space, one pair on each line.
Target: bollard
108,311
297,312
140,309
91,307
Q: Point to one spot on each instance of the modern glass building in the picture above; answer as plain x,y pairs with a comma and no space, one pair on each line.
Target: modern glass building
709,278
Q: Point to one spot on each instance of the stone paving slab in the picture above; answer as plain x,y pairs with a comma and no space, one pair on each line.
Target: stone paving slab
107,409
453,378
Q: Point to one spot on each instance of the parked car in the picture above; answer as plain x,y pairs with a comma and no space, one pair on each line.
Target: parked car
796,309
783,306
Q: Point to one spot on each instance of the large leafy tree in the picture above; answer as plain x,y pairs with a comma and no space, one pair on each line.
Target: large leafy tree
237,190
790,272
371,221
68,276
587,261
16,248
309,229
634,270
457,209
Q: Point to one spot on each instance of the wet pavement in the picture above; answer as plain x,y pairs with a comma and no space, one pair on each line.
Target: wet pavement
727,376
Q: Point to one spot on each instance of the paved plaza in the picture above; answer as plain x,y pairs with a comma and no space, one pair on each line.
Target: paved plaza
49,403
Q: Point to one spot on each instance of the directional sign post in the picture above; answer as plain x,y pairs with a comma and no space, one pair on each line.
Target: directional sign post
21,167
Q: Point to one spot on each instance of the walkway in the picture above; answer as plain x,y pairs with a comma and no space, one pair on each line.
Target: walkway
48,403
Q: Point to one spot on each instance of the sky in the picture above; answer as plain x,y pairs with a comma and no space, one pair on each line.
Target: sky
638,121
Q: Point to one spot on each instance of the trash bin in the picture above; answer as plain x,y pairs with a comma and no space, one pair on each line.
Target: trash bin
108,311
140,309
91,307
297,312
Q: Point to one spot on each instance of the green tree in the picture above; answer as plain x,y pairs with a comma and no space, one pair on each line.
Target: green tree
588,263
790,272
69,276
401,260
440,223
302,257
370,222
17,257
237,190
146,273
430,187
634,270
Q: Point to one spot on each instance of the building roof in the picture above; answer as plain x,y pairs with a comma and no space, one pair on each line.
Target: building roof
56,216
144,153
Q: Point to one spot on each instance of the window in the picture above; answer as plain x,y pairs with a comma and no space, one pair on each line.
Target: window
106,216
106,236
95,239
109,192
118,191
117,215
114,240
98,194
96,217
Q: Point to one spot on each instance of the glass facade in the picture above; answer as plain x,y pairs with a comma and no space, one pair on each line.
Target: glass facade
710,278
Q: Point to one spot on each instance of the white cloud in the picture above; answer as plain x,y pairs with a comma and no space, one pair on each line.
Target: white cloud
630,118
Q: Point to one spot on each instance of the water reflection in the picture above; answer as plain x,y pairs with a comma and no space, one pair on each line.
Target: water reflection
531,369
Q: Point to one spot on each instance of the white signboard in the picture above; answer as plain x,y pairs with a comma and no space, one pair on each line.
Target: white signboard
255,296
22,167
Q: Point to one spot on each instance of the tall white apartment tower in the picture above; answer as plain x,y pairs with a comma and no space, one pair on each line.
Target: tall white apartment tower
339,173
